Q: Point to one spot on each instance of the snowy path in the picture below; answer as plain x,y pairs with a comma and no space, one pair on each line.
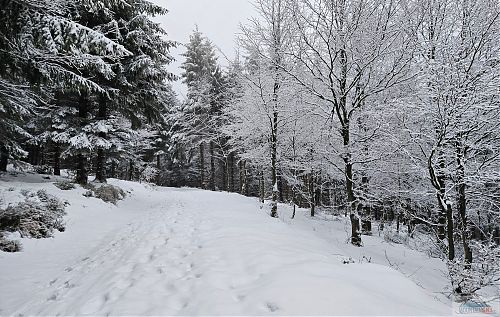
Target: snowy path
191,252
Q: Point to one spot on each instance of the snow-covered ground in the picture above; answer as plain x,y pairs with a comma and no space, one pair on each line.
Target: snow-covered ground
164,251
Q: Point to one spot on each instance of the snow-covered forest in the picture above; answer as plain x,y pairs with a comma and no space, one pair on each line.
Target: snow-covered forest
353,128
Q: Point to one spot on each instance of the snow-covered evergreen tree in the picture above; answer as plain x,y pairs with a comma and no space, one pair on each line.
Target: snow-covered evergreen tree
41,44
202,109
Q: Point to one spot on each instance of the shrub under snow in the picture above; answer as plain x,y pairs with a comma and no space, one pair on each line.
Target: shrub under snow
106,192
7,245
64,185
36,217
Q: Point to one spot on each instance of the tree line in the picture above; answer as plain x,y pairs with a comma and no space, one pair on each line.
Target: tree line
387,111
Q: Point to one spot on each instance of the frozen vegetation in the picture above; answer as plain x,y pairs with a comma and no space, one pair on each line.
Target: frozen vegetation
346,161
164,251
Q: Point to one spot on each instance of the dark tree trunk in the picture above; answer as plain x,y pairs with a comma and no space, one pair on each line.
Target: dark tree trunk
274,145
398,221
242,181
449,230
202,165
355,236
4,157
100,170
366,222
158,167
36,155
462,206
445,216
243,178
284,190
231,172
131,170
312,203
261,187
112,172
212,166
351,199
81,170
281,189
441,195
223,168
57,159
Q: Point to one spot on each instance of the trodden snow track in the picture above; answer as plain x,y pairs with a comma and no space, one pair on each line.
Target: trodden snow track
191,252
147,259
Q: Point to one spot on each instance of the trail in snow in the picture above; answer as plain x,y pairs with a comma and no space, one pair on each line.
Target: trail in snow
191,252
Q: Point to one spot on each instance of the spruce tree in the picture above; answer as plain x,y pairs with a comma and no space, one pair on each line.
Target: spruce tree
205,83
41,46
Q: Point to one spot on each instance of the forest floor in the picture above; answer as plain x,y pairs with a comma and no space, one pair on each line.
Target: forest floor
165,251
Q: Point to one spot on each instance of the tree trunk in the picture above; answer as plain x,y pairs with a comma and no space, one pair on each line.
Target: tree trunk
4,157
445,208
223,168
131,170
449,230
243,178
246,188
261,187
242,184
57,159
343,116
274,145
81,171
112,173
100,169
398,221
351,199
231,172
442,193
212,166
202,165
462,206
227,172
312,202
37,155
158,167
366,221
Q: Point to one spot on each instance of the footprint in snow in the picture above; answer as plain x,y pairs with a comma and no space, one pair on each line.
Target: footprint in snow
241,298
272,307
105,297
52,298
68,284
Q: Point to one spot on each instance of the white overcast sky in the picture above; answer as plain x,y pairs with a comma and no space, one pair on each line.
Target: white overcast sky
219,20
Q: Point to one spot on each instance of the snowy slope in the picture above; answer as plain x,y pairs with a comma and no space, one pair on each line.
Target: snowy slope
168,251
